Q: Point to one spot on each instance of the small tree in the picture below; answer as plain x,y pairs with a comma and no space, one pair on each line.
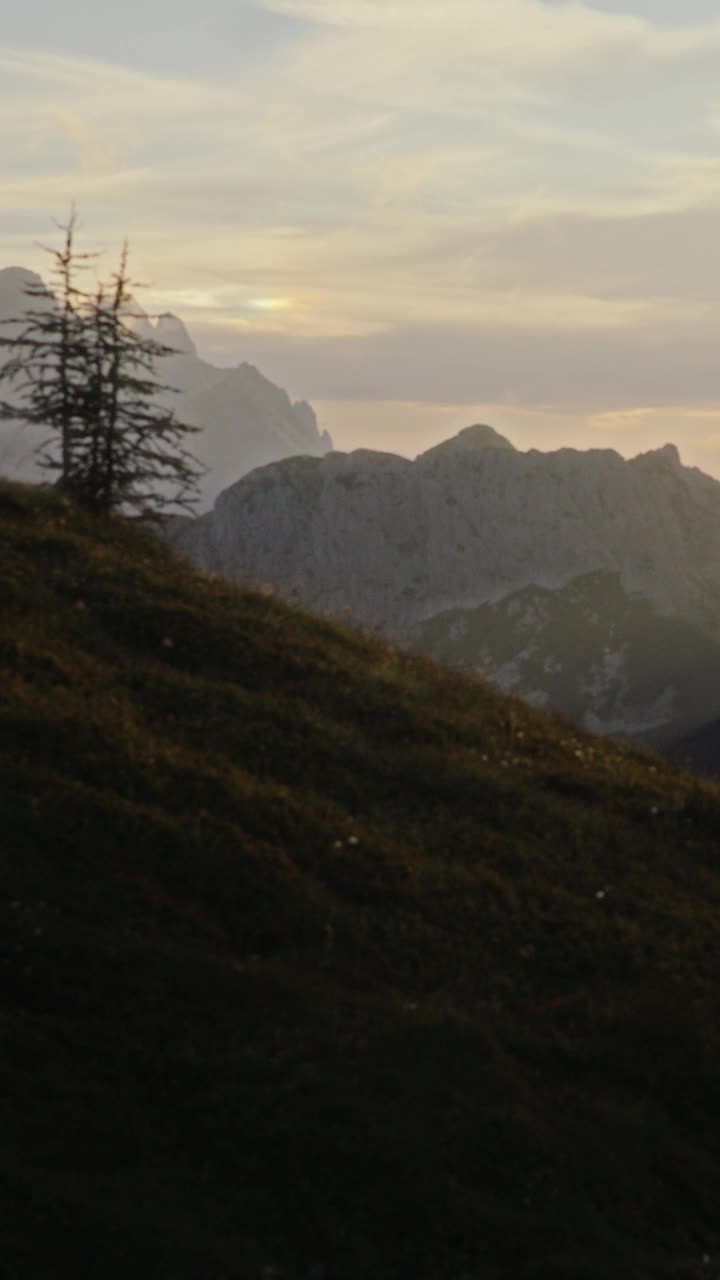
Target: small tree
83,370
48,358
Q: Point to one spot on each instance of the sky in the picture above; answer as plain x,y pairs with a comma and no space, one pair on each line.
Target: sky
414,213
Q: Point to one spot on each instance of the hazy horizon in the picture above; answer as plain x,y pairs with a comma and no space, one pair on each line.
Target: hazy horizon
413,215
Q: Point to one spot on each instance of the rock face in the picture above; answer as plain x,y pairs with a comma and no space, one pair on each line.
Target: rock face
582,580
245,421
590,649
397,542
13,283
171,331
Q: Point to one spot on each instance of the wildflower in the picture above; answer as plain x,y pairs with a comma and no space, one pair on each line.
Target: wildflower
353,840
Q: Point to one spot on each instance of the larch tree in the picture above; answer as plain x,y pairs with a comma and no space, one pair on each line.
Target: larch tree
81,368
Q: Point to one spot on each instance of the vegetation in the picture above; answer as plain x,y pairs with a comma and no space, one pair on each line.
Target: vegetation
320,958
82,370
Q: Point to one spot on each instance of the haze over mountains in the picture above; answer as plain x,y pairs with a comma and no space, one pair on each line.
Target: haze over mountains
246,420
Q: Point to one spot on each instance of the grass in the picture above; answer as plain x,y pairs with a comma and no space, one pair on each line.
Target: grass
317,956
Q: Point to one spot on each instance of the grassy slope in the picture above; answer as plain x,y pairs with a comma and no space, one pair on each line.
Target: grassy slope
303,952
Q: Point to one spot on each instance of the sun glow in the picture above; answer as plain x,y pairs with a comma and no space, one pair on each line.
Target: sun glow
270,304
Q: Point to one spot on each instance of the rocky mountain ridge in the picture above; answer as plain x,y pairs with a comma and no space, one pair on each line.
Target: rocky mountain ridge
395,542
590,649
616,563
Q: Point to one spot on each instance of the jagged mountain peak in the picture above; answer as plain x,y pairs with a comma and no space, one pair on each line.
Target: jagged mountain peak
470,440
14,283
665,456
171,331
18,275
247,373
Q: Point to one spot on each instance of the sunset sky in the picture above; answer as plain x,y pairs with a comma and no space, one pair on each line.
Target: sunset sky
414,213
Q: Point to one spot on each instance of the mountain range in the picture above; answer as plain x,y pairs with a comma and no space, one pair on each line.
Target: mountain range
586,581
246,421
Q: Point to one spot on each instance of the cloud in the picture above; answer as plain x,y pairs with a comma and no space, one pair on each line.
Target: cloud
114,87
484,198
660,257
579,370
519,31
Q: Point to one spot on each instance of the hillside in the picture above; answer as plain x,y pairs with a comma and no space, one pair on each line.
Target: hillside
319,958
699,750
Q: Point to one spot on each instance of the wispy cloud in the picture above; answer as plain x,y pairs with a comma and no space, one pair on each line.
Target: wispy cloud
420,181
520,31
113,86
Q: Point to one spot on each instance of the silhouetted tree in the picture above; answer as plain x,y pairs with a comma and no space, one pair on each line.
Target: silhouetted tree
80,367
47,364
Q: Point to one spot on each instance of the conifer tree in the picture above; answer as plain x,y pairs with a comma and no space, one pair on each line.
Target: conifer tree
47,364
82,369
135,455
